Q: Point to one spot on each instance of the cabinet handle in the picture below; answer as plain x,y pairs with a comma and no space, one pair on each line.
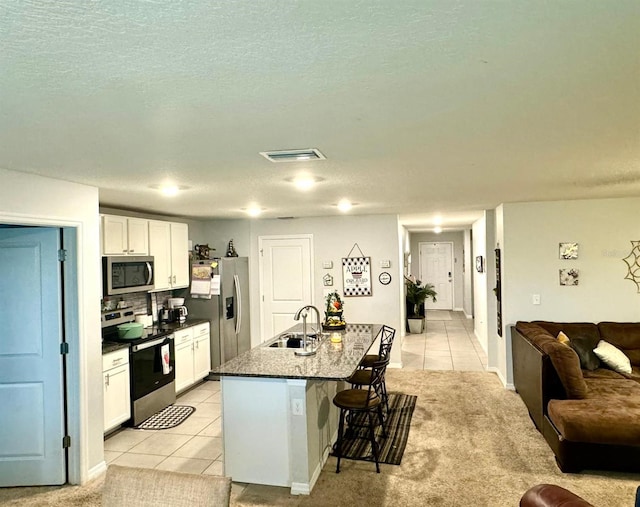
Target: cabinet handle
106,380
169,278
125,251
174,278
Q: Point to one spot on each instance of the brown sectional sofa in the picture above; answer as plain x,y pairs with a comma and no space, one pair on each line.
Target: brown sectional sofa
589,418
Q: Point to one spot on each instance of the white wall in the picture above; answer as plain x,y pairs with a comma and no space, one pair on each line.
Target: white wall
333,238
455,237
480,283
34,200
468,267
603,228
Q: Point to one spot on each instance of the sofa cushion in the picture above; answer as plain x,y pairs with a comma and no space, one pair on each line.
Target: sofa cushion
613,357
564,359
625,336
610,414
602,373
588,359
564,339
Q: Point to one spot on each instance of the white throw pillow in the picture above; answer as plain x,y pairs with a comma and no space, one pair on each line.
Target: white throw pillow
613,357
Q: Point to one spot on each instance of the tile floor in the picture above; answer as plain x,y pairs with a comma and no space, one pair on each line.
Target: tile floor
448,343
195,446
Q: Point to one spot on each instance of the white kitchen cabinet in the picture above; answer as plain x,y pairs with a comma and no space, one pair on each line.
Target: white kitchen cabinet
116,379
184,366
193,355
124,235
201,351
169,245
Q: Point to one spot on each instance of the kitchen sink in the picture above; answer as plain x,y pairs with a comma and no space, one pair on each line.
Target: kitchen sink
294,341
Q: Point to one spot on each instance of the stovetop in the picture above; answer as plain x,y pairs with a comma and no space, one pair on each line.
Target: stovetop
110,334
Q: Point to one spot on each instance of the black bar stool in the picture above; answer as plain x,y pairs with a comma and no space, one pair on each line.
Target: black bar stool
362,376
360,400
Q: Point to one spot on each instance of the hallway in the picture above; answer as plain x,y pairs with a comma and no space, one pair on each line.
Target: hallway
448,343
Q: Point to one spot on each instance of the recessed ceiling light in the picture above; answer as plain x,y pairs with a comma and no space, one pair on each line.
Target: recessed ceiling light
293,155
437,229
305,182
168,189
344,205
254,211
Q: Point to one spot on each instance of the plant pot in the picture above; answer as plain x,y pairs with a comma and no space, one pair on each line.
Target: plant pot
416,325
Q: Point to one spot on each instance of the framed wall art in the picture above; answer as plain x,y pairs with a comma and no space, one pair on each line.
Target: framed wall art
569,277
568,251
356,274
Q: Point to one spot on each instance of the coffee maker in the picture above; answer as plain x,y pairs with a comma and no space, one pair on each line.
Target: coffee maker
178,314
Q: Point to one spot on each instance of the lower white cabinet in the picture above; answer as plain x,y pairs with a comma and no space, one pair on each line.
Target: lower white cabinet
116,378
193,358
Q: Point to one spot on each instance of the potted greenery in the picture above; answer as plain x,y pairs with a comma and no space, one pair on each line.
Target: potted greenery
416,296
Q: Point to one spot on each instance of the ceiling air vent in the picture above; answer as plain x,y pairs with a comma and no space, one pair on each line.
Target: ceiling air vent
293,155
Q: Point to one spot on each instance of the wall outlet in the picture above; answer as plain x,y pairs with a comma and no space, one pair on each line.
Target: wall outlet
297,407
535,299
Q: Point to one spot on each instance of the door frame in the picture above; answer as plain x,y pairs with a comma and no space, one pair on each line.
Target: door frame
74,377
453,267
261,271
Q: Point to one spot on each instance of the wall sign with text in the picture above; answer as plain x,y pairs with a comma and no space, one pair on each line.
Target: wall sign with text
356,276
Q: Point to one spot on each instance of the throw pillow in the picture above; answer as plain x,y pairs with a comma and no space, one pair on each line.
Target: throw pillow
613,357
584,349
564,339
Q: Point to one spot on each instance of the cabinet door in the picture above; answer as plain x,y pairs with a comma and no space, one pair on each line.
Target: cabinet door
117,404
114,235
160,248
138,236
180,255
184,366
201,357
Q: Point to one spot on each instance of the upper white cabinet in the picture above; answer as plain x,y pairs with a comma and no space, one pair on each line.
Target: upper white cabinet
169,245
124,235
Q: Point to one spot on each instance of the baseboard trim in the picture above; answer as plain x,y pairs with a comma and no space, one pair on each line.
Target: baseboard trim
458,310
395,365
97,471
467,315
507,385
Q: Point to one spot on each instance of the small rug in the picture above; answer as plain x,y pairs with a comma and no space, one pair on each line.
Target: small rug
397,423
438,315
167,418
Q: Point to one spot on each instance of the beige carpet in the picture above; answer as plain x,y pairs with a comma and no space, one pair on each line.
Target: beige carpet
471,444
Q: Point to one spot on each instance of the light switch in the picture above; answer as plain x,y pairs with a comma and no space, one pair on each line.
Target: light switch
385,264
535,299
297,408
327,264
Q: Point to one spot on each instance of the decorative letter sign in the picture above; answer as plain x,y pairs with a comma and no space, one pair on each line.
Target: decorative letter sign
356,276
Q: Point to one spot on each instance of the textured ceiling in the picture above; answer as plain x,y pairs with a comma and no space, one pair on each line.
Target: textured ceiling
422,108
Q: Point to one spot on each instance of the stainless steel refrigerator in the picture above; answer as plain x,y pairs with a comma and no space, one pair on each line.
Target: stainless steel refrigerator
228,312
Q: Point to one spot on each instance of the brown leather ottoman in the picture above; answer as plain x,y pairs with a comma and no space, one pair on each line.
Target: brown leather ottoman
550,495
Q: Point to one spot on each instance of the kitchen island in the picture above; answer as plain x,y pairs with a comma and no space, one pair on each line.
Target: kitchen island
278,419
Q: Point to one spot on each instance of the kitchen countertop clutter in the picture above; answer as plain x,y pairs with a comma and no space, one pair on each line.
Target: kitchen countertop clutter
155,331
333,361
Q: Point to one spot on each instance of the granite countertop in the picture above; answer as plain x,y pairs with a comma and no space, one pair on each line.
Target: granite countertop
151,332
331,362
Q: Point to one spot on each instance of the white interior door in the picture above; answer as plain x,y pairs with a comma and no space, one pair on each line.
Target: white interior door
436,267
31,379
286,280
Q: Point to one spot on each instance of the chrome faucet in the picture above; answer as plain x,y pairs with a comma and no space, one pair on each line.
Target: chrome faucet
302,312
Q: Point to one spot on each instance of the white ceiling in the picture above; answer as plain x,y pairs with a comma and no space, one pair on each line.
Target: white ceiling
421,107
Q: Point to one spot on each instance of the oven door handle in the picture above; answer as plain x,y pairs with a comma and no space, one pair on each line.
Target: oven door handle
148,345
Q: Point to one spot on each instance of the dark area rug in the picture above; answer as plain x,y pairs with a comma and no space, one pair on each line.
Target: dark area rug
167,418
397,424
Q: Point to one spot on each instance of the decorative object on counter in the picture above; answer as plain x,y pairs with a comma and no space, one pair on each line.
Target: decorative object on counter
633,263
569,277
356,274
130,330
568,251
231,251
416,296
333,312
202,252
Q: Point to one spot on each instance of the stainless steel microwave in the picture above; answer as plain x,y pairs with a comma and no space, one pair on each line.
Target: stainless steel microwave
124,274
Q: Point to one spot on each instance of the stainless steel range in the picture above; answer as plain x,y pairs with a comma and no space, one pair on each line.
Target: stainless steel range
152,373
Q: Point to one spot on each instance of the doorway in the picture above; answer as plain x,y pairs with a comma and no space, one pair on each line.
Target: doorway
436,267
286,280
32,366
